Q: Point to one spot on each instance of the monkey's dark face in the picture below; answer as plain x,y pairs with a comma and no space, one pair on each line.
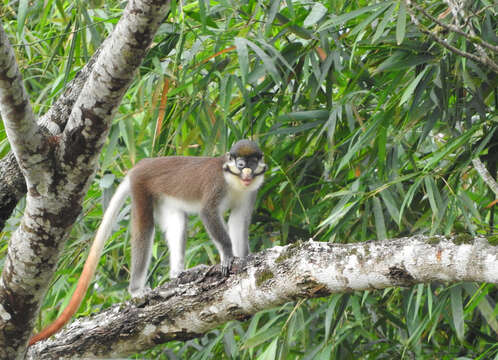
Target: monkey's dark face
245,160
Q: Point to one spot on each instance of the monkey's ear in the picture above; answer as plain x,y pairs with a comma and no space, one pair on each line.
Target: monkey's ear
227,159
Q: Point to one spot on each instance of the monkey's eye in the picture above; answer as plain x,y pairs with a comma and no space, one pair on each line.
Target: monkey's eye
241,163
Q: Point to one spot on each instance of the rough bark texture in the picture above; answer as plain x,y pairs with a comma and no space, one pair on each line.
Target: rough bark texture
12,187
58,169
12,183
201,299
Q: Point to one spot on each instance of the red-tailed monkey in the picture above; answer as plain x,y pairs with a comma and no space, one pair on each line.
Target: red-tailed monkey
163,191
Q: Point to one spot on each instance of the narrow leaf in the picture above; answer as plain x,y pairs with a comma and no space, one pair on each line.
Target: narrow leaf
364,138
202,13
270,352
457,311
268,62
433,194
341,19
317,12
275,5
22,13
261,337
380,224
401,24
450,147
243,57
391,205
382,25
70,55
361,26
407,94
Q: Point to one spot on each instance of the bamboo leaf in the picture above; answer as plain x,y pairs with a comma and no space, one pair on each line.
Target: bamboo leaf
457,311
317,12
363,138
70,55
268,62
202,13
275,5
450,147
392,207
479,298
341,19
401,24
409,197
271,351
368,21
22,13
433,194
261,337
407,94
380,225
382,25
304,115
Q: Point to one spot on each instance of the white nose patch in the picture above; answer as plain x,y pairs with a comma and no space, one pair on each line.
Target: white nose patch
246,173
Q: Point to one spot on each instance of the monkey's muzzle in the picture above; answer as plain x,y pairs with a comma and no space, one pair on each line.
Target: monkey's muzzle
246,176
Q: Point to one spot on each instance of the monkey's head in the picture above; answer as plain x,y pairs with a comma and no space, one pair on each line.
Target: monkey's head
245,161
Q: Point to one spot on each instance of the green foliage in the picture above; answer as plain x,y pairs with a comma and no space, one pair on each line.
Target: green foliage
368,125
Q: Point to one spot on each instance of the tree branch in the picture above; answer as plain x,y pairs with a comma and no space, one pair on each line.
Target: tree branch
18,118
450,27
201,299
483,61
12,183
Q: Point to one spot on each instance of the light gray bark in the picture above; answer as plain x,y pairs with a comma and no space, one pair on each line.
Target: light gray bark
12,183
58,169
201,299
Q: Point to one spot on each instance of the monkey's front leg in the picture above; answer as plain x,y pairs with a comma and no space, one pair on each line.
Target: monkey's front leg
238,229
216,228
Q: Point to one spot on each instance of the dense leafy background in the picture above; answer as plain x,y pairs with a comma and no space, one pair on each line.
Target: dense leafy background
368,125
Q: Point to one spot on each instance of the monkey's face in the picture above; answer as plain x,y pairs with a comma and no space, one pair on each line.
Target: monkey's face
245,168
245,161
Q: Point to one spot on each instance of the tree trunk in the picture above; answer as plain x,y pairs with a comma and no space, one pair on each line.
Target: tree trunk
59,168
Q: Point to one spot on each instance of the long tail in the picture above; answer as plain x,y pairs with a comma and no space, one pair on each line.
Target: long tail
86,276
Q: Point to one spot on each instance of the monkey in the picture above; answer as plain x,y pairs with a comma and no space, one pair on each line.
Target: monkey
163,191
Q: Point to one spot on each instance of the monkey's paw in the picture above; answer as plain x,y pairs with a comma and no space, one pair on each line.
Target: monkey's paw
226,265
139,294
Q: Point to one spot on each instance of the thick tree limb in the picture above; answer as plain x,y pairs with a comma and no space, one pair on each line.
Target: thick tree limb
18,118
12,183
59,173
200,299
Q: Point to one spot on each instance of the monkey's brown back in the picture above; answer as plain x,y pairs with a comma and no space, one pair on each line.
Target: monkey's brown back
188,177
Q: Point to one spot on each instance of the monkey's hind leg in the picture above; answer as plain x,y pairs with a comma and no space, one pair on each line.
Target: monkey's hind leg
174,225
142,236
